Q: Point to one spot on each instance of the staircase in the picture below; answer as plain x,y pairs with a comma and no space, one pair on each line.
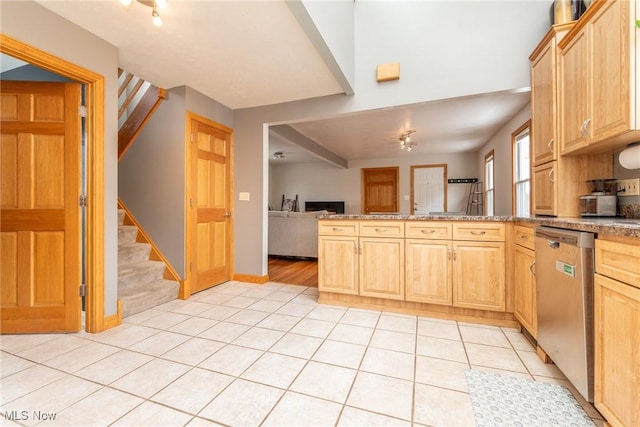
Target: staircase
141,282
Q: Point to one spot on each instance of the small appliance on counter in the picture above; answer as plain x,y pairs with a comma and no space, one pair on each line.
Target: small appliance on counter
602,201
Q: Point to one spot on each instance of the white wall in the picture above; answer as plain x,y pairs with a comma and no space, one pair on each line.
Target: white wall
31,23
501,145
324,182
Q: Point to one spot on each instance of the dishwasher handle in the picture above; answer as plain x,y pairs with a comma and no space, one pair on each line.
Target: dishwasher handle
553,244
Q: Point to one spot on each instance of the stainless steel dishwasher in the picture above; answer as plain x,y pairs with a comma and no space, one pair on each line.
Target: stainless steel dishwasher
564,279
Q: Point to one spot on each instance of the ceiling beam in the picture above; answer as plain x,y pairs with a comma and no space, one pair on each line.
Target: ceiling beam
290,134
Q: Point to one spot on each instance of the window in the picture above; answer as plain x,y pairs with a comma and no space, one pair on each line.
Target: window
489,185
520,142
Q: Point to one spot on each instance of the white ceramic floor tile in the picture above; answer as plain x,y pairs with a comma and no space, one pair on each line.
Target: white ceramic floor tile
159,343
191,308
283,297
387,362
193,351
279,322
329,314
165,321
99,409
257,292
485,336
313,328
293,309
294,289
398,323
518,340
231,360
306,299
383,395
193,391
397,341
193,326
201,422
53,398
357,417
359,317
325,381
53,348
243,403
298,410
153,415
82,357
441,349
124,335
537,367
26,381
340,353
142,316
441,373
219,312
240,302
272,286
441,407
224,331
247,317
16,343
259,338
113,367
351,334
10,364
494,357
276,370
213,299
438,329
232,290
266,306
297,345
148,379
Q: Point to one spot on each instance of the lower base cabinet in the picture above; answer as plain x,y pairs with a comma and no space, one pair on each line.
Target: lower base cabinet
338,270
478,275
428,282
617,351
525,289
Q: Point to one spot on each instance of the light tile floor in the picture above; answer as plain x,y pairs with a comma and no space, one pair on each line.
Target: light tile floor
247,355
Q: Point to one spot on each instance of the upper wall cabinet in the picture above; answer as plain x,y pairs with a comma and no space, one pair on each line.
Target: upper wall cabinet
599,102
544,94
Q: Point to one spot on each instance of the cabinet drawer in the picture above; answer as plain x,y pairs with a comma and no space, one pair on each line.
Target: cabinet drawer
382,228
428,230
523,236
618,261
487,231
338,228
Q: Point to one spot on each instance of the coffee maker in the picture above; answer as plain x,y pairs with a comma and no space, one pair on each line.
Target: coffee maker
602,201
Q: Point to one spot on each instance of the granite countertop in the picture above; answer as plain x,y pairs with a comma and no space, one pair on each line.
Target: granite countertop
610,225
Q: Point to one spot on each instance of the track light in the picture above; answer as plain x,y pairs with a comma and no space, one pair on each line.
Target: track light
154,5
405,140
155,16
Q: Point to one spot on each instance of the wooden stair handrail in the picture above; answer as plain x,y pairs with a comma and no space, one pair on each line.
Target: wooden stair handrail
130,97
148,104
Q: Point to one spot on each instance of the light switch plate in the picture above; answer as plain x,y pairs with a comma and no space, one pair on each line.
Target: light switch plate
244,196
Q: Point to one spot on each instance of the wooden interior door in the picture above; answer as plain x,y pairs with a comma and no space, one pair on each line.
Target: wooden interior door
380,190
40,214
210,204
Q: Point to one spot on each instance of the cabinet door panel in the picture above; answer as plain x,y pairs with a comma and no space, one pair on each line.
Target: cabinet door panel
543,100
544,189
381,268
574,94
478,275
525,290
428,271
617,351
338,264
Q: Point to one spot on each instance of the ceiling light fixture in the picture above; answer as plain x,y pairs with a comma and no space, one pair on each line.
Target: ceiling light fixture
278,155
405,140
154,5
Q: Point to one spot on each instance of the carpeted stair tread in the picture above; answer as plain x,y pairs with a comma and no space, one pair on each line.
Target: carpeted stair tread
139,273
127,233
120,216
129,253
151,295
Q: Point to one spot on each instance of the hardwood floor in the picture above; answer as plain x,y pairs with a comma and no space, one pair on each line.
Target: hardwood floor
293,271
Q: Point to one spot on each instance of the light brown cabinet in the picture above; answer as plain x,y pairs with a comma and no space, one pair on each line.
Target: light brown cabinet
428,282
617,322
598,97
524,279
544,94
338,250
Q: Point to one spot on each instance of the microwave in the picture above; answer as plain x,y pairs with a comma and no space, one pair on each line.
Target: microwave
598,205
